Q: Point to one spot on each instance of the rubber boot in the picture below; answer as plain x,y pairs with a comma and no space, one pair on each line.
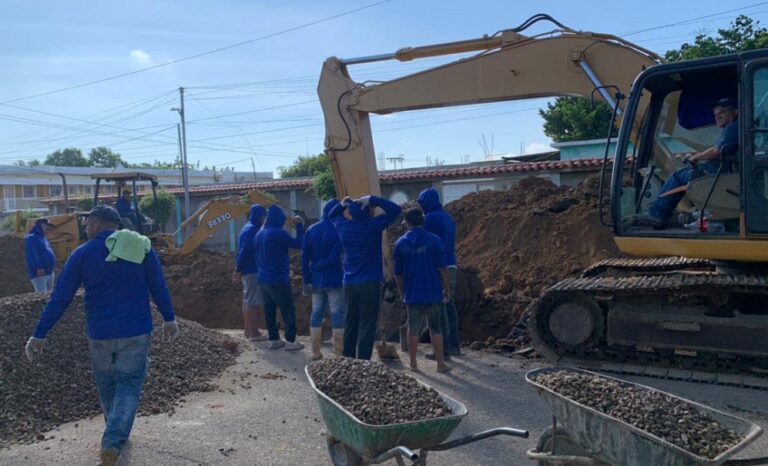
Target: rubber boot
316,336
338,340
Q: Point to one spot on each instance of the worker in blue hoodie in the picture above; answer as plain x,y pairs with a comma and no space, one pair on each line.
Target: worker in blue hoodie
271,245
118,282
40,258
245,272
423,283
360,233
322,273
440,222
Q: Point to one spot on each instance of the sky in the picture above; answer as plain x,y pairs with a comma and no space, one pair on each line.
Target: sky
254,106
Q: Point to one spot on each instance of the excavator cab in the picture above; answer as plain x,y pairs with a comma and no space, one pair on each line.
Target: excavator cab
133,218
721,213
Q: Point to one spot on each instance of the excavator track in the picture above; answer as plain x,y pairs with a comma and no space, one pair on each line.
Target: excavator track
647,265
692,325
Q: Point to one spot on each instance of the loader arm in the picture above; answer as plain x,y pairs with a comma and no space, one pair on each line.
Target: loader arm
510,66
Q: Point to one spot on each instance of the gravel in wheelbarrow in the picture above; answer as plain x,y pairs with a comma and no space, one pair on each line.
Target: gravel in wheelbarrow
664,416
376,394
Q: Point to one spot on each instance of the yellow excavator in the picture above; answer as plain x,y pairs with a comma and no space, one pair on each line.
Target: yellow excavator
692,310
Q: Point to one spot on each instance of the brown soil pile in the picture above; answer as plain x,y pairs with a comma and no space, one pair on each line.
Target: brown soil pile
13,267
59,386
523,240
202,290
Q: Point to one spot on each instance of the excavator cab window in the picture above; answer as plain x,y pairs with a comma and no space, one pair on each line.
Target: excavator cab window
671,192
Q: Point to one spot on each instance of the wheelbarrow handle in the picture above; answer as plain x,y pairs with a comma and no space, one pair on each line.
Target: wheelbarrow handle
393,452
480,436
548,458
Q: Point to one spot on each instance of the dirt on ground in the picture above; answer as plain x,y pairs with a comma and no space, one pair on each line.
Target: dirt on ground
58,387
13,267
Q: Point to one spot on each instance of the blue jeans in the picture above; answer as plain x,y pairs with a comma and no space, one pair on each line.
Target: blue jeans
120,368
334,297
663,207
361,318
279,295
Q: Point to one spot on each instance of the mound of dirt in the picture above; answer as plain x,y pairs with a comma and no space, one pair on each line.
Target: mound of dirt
523,240
59,386
202,290
13,267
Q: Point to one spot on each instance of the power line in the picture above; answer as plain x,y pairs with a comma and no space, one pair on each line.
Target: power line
202,54
678,23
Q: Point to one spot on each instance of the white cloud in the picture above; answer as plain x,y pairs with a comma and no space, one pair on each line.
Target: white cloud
141,57
537,147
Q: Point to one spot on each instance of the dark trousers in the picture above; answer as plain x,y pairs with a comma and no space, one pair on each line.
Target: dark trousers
450,321
279,295
361,318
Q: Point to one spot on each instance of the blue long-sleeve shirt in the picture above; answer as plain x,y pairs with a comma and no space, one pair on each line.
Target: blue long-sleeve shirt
439,222
123,206
38,252
271,246
321,253
116,293
245,263
419,256
361,238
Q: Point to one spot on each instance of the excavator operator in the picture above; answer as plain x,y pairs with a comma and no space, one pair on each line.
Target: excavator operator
726,114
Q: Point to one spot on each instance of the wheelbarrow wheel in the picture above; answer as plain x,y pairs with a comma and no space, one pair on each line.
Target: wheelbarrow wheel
563,442
343,455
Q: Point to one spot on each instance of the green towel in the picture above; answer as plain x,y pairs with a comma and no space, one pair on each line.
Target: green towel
127,245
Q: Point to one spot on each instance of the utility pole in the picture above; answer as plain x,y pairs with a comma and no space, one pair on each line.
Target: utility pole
184,173
253,165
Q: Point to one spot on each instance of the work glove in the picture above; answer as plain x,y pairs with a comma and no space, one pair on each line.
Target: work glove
346,201
34,347
364,201
170,331
306,290
298,220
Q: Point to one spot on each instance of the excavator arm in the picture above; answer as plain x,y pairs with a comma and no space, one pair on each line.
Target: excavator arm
210,217
509,66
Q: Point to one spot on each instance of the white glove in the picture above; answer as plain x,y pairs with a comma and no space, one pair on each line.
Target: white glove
364,201
34,347
346,201
170,331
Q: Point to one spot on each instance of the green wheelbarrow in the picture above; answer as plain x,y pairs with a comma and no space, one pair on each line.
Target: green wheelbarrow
353,442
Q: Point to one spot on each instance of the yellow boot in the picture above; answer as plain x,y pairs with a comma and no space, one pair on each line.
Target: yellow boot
338,340
316,337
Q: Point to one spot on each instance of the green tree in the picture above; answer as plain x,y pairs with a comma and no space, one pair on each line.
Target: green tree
70,157
323,186
33,163
166,204
85,204
576,119
104,157
9,222
306,166
744,34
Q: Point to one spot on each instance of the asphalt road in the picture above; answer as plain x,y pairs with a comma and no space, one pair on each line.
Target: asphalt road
265,412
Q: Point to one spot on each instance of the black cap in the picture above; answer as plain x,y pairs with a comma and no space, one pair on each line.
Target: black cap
43,221
726,102
106,213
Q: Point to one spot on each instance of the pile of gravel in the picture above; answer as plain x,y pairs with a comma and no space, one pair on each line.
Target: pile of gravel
666,417
59,386
374,393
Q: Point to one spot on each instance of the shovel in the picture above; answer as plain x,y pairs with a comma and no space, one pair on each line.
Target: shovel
385,351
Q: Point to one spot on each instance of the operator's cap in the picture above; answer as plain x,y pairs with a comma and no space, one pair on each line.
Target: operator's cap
726,102
106,213
43,221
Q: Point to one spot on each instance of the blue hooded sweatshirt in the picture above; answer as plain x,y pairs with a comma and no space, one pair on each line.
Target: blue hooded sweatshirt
123,207
361,238
439,222
270,247
244,262
116,293
38,251
419,255
321,253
